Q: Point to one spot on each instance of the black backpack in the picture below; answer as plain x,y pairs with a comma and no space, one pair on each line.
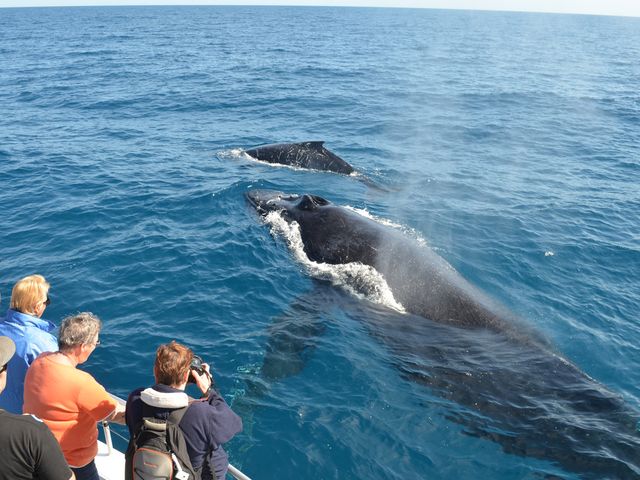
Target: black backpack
158,451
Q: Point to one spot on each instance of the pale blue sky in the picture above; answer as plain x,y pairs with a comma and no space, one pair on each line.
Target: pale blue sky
597,7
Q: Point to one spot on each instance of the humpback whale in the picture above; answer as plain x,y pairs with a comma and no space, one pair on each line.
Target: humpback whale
421,281
516,390
311,155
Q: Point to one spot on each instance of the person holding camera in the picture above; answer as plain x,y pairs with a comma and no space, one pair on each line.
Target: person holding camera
206,424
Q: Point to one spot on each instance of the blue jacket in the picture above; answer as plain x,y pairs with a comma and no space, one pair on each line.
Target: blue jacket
206,424
32,337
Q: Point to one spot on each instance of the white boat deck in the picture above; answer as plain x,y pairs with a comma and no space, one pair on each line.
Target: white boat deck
110,465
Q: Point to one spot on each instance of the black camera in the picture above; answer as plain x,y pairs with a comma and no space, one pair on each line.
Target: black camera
196,364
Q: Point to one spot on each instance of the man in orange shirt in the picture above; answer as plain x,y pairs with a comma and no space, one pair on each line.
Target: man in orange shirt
69,400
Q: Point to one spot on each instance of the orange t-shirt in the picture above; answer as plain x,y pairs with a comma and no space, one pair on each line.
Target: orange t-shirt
70,402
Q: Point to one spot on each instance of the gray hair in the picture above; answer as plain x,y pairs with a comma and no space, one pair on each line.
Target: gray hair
79,329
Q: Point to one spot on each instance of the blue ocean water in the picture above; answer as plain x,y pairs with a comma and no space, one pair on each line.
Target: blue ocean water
509,143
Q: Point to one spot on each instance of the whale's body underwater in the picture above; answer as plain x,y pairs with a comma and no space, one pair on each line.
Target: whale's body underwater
312,155
518,392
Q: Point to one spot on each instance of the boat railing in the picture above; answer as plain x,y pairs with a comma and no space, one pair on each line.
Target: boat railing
233,471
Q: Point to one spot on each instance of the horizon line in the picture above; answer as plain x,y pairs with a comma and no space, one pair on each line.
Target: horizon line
311,4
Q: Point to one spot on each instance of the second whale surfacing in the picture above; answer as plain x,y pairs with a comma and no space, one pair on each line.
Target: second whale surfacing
469,349
312,155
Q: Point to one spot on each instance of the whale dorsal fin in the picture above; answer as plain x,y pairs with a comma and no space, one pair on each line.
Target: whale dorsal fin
311,202
312,145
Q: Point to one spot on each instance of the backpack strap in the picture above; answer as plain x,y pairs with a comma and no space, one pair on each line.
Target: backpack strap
175,417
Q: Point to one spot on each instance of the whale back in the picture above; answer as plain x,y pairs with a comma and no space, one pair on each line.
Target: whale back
312,155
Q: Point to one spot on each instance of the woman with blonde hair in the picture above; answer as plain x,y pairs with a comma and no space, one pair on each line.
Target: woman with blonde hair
71,401
31,333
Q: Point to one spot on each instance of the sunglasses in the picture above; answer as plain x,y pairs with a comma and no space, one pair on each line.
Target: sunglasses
4,368
47,302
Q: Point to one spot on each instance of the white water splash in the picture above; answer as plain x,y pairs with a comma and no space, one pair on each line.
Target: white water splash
358,279
233,153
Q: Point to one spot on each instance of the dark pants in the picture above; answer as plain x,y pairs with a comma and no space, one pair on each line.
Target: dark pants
88,472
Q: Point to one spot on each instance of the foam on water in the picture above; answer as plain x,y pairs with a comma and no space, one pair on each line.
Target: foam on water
361,280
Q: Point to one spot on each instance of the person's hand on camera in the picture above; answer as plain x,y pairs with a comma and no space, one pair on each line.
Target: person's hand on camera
204,380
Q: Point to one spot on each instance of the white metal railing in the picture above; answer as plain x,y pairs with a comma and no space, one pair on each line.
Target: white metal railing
233,471
107,436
